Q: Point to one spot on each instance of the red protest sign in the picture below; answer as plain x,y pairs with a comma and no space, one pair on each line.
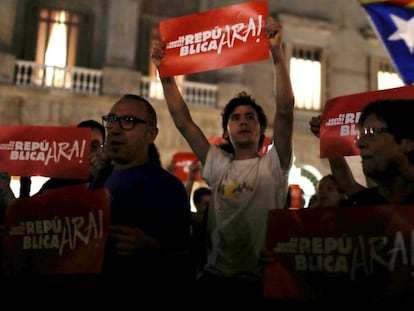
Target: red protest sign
181,162
62,231
265,147
339,126
51,151
320,252
214,39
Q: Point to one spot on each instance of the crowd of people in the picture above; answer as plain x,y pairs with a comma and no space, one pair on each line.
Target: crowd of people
218,251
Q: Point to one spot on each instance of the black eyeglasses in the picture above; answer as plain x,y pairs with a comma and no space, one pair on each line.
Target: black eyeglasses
370,132
125,122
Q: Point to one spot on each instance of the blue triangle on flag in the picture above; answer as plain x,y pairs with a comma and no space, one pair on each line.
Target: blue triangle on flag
395,26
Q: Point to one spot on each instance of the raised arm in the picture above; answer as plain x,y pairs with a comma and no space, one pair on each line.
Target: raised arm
179,110
283,119
339,167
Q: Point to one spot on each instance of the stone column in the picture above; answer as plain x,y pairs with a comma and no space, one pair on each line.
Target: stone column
230,83
7,59
122,33
119,74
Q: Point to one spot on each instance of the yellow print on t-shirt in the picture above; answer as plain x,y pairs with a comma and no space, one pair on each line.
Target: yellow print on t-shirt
234,188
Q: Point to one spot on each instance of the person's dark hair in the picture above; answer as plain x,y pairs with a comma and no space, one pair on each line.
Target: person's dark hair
199,192
244,99
332,178
152,115
153,154
93,125
313,200
288,201
329,176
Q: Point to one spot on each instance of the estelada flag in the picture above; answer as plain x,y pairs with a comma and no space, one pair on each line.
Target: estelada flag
62,231
52,151
214,39
392,20
339,127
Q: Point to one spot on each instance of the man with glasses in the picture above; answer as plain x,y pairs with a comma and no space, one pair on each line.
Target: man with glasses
149,235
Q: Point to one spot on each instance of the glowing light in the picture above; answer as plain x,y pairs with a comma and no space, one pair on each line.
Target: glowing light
388,80
306,76
296,178
36,183
56,55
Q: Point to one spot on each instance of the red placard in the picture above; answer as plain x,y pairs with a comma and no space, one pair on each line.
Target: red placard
214,39
339,126
322,251
181,163
52,151
62,231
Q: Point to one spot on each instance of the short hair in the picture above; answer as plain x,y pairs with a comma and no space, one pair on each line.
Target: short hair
333,179
199,192
153,154
151,113
313,200
244,99
92,124
396,113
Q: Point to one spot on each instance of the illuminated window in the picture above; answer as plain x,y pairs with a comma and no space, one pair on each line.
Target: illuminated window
36,182
305,73
155,88
56,47
387,77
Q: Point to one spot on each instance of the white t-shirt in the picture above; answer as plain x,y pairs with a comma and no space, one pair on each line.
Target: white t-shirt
243,191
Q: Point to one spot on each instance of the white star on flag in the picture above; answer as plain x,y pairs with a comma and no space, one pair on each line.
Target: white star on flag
404,32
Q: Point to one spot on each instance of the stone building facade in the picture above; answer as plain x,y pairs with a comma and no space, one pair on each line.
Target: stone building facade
115,39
